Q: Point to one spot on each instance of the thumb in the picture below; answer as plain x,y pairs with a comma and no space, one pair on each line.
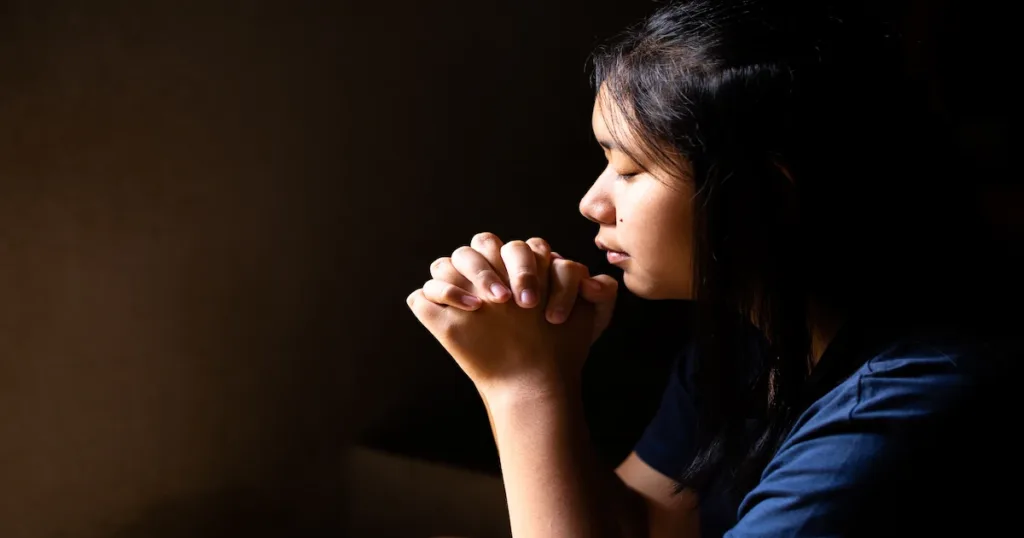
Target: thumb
602,290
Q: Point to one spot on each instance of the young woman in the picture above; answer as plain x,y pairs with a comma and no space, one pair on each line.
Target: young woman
771,163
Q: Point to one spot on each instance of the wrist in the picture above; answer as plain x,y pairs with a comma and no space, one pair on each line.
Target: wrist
537,389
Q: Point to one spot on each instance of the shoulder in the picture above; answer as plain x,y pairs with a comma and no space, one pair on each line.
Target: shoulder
878,432
911,378
920,375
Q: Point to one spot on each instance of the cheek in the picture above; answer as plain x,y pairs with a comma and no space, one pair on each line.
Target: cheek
660,224
655,221
666,239
678,231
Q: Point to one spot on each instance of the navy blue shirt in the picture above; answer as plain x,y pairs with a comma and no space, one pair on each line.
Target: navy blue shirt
878,452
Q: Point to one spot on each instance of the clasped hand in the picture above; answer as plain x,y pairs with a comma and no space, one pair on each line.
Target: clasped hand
514,313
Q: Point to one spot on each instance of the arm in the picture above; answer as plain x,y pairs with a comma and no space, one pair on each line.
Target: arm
553,483
556,487
642,494
669,515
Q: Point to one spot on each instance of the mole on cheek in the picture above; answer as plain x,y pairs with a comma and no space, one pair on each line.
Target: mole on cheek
620,220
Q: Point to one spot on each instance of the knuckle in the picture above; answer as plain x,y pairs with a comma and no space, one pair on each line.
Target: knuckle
568,269
569,266
448,329
523,272
439,291
442,272
485,273
563,266
450,293
485,239
538,243
525,280
461,252
514,245
518,250
418,303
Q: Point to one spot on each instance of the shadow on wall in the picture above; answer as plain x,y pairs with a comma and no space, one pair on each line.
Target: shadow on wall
210,214
167,363
225,513
205,242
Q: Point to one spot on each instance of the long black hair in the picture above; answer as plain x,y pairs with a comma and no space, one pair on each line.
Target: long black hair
820,185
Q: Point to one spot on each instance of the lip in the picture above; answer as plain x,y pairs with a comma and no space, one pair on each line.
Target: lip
604,246
614,256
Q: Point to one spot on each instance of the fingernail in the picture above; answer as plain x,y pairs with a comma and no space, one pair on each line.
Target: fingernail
527,296
558,315
498,291
470,300
592,285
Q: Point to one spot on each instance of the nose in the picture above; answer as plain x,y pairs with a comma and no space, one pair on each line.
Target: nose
597,205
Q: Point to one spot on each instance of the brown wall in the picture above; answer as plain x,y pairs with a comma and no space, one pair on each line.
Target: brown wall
166,367
210,215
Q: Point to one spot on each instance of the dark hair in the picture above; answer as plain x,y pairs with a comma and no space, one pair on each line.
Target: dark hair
817,179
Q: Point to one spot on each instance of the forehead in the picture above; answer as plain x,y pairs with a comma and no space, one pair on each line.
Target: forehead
600,116
610,125
612,130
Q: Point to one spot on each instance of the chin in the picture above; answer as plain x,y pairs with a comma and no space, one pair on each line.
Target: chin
643,287
647,288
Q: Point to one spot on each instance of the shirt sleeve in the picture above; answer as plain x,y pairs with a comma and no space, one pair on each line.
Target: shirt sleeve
667,444
845,450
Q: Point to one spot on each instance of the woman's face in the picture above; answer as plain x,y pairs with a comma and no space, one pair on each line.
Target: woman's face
645,213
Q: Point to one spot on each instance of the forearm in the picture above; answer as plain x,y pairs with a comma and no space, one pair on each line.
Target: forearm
553,482
490,418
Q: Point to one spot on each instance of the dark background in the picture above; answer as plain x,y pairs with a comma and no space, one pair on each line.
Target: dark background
211,214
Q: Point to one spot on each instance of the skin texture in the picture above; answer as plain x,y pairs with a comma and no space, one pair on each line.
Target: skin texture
643,210
519,320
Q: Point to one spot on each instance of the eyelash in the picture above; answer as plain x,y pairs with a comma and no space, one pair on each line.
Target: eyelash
627,177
